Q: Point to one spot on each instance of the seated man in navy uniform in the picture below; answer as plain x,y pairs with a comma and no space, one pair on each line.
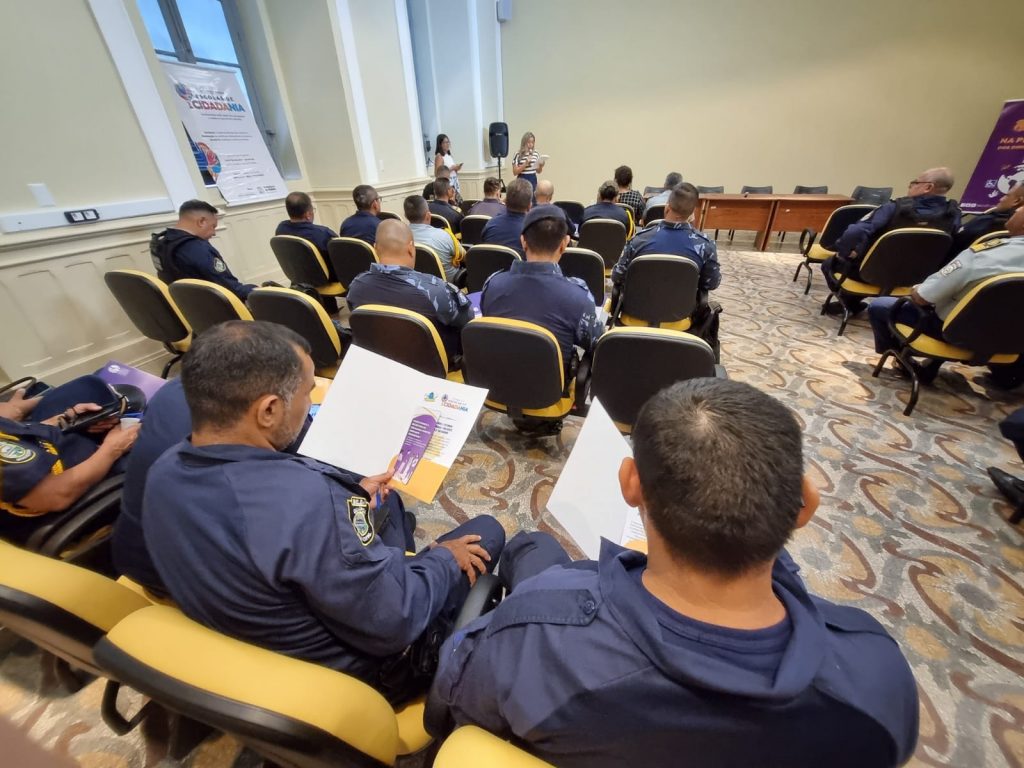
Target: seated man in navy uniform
491,205
395,282
935,298
300,224
184,250
710,645
537,292
363,223
42,468
287,552
992,220
443,204
925,205
606,207
507,228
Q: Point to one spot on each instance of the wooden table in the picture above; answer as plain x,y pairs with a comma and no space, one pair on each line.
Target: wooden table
765,214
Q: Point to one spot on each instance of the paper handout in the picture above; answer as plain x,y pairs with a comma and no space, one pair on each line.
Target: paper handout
379,414
587,500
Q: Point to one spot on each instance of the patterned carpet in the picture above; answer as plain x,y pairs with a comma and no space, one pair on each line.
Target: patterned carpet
909,528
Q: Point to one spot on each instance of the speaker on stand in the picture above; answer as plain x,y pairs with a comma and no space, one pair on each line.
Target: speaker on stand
498,134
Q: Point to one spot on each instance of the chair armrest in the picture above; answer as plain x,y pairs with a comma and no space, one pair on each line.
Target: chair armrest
86,520
918,326
582,392
807,238
42,534
484,595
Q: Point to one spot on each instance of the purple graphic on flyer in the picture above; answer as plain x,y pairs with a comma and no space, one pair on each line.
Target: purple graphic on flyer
421,429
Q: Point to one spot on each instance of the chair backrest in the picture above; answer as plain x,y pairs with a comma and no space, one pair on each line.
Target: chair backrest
660,288
588,266
629,216
905,257
300,261
746,189
292,711
472,228
428,262
605,236
573,210
997,235
988,320
484,260
839,220
149,305
519,363
633,364
471,747
401,335
385,215
468,203
873,195
306,317
439,222
350,257
206,304
653,213
60,607
799,189
711,190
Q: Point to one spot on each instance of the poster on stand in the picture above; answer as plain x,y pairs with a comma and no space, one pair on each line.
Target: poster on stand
1001,167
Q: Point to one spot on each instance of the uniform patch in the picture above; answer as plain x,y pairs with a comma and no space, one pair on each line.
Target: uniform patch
978,247
219,265
950,268
13,453
359,515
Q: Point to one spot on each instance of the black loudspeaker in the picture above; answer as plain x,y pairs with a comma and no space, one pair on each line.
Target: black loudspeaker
499,139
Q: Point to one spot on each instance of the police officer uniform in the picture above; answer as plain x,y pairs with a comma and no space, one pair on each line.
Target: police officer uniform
362,225
317,234
584,667
445,209
606,210
440,302
285,552
178,254
505,230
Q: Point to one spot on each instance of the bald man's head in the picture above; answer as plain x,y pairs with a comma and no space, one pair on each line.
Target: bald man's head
544,192
394,244
934,181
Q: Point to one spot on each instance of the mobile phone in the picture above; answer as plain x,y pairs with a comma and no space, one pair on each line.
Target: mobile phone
83,421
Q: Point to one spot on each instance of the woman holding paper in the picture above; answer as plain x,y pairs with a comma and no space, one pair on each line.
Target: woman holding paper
526,163
443,159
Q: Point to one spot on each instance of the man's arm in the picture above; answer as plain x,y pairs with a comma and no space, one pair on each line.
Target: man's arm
457,310
203,259
589,327
851,244
619,270
710,272
948,282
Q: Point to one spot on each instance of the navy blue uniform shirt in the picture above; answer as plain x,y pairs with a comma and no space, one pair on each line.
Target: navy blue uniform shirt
453,217
505,230
317,234
538,292
860,235
575,666
673,238
187,256
607,211
361,224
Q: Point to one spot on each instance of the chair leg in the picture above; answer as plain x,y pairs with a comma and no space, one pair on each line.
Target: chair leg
846,319
915,382
825,304
170,364
185,735
799,266
1017,516
810,274
732,234
881,362
110,714
73,680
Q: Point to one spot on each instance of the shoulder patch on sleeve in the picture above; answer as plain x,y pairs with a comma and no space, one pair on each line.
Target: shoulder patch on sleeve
950,268
359,516
16,453
219,265
978,247
579,283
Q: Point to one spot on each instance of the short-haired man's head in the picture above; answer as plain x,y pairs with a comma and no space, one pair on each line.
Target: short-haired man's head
198,217
364,196
195,208
518,195
623,176
232,365
607,192
682,200
545,191
394,243
492,187
546,236
444,172
673,179
441,187
298,204
415,208
721,470
934,181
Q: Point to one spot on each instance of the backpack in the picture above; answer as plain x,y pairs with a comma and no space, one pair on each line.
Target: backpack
162,255
907,216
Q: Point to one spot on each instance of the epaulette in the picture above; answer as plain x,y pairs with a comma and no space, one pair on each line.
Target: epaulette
995,243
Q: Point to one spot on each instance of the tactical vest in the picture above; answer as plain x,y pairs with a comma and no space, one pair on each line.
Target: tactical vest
907,216
162,254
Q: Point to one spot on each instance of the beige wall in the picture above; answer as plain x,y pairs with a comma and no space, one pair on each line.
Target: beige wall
785,92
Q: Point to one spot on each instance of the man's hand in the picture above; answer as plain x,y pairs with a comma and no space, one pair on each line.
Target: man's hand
18,408
468,554
120,440
375,483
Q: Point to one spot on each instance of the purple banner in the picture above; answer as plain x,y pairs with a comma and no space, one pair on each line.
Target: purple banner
1001,167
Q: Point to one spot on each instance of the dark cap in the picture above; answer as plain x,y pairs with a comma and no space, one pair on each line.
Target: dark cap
541,212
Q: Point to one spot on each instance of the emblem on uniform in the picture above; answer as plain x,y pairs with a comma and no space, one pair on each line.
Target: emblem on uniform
995,242
359,515
12,453
219,265
950,268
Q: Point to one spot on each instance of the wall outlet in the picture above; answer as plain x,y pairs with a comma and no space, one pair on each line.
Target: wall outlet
79,217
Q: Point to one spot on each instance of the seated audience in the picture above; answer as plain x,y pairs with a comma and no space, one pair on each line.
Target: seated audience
672,180
363,223
708,646
300,224
925,205
286,552
491,205
545,192
991,220
443,204
395,282
536,291
42,468
605,207
184,250
507,228
447,248
628,195
934,299
441,173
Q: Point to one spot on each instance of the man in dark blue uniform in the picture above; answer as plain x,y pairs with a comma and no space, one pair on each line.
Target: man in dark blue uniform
925,205
606,207
507,228
990,221
395,282
300,223
710,645
363,223
184,250
443,204
287,552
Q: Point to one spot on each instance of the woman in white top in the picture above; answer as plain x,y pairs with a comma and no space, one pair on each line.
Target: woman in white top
443,158
526,163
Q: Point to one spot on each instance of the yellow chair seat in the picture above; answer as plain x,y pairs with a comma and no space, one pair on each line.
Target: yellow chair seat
555,411
929,345
331,289
818,254
857,288
679,325
455,376
138,589
412,736
470,746
182,346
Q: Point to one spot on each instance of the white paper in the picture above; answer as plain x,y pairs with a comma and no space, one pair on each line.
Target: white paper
587,500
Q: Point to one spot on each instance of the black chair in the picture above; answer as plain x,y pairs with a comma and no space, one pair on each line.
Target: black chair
307,318
385,215
350,257
401,335
711,190
802,190
659,291
895,263
605,236
152,310
207,304
302,264
588,266
653,213
816,252
872,195
472,229
428,262
748,190
572,209
467,204
437,221
482,261
631,229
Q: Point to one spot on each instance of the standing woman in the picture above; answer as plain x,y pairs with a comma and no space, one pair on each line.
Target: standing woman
527,163
443,159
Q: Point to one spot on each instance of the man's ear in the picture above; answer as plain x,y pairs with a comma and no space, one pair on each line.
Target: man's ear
811,499
629,483
522,242
267,411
